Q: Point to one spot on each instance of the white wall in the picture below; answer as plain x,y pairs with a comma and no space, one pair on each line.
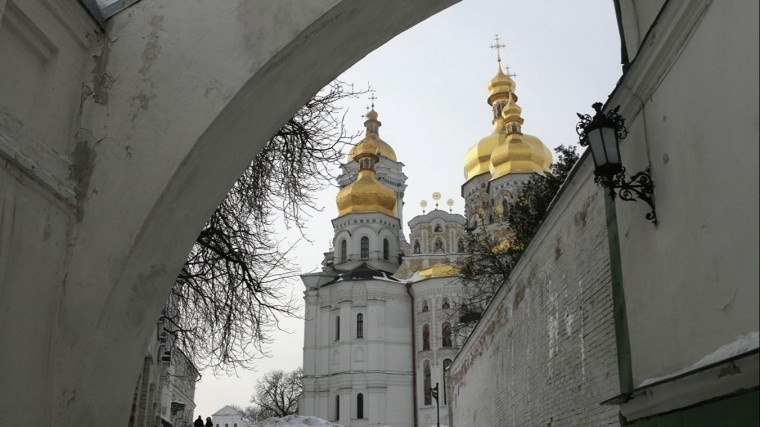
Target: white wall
691,281
130,141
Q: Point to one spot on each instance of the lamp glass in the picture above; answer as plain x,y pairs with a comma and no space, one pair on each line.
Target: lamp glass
604,149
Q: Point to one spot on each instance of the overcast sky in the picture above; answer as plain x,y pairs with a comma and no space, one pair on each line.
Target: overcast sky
430,84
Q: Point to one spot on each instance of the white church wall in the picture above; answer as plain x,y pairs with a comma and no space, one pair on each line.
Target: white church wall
544,351
691,281
377,364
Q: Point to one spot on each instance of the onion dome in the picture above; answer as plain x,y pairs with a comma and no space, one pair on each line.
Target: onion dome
366,194
500,87
478,157
520,153
372,126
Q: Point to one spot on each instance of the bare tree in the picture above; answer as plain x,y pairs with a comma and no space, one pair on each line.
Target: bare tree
494,249
276,395
232,289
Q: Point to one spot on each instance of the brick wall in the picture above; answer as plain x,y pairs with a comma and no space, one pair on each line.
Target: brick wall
544,353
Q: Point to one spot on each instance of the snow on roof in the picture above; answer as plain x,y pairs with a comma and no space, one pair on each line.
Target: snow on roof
295,421
742,344
227,410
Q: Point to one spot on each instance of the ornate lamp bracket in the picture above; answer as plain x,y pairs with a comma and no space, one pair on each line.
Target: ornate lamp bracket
637,187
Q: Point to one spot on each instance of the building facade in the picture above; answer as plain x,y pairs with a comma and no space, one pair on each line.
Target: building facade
382,317
165,391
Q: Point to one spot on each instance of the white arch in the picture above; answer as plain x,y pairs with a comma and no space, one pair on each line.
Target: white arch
159,153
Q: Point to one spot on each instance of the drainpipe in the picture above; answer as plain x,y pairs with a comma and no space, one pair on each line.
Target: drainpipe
414,354
619,312
623,47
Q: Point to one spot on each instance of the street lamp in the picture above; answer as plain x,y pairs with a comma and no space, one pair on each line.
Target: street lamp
602,133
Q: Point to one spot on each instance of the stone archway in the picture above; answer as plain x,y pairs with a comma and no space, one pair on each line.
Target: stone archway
178,99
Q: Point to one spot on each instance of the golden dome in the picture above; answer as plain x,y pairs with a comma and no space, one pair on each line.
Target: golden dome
500,86
478,158
520,154
372,136
444,270
512,112
366,195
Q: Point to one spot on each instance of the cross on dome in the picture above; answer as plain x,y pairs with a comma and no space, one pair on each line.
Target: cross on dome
498,46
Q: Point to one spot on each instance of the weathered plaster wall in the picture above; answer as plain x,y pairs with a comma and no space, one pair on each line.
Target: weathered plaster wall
691,104
544,352
114,151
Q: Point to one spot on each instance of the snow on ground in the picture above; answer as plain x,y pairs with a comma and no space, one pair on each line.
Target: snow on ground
295,421
743,344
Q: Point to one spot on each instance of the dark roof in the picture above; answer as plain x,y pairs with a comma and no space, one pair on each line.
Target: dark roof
364,272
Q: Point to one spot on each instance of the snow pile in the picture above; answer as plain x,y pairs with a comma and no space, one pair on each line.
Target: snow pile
295,421
743,344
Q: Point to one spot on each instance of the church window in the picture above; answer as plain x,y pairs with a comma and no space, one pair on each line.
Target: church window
365,247
428,388
386,249
337,407
438,228
446,364
343,251
416,246
445,303
360,406
504,209
438,245
337,328
425,306
360,325
460,246
426,337
446,335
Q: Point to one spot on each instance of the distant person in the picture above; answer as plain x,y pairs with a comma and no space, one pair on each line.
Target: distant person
208,422
198,422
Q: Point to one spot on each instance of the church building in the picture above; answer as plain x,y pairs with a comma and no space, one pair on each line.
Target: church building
381,318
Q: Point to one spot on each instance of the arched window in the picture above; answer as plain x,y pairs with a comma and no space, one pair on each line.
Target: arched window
460,246
360,406
416,246
446,335
365,247
445,303
446,364
438,228
504,209
426,337
386,250
425,306
337,328
337,407
438,245
343,251
428,387
360,325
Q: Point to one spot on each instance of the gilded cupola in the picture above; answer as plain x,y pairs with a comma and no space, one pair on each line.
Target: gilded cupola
366,194
478,158
507,150
372,126
520,153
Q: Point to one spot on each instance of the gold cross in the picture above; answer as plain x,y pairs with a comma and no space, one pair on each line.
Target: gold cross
513,75
498,46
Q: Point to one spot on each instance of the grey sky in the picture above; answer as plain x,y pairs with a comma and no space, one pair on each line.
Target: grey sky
431,93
